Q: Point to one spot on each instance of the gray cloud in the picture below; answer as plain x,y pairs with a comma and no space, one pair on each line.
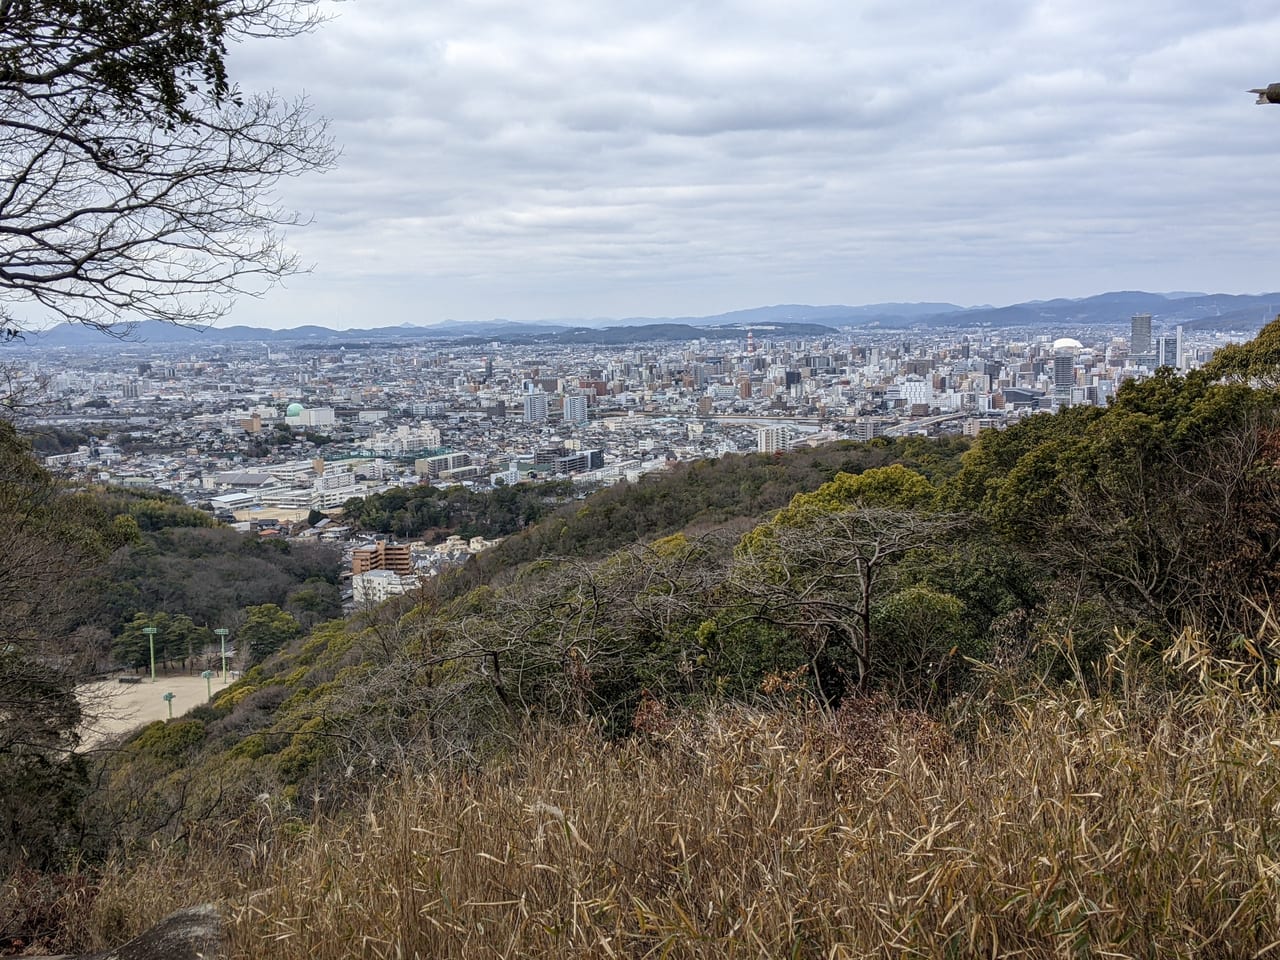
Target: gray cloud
561,159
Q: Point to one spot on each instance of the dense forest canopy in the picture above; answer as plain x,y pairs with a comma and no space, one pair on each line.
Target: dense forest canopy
433,512
704,495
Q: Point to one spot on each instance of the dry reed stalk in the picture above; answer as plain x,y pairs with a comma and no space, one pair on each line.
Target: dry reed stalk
1142,824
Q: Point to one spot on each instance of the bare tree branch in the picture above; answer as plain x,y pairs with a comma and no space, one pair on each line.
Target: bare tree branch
138,180
821,577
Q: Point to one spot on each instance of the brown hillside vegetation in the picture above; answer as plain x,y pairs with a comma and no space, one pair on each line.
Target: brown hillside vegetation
1141,821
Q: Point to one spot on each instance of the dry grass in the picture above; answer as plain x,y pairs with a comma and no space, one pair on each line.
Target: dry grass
1137,824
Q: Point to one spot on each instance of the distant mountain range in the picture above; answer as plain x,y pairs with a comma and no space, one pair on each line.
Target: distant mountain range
1197,311
1194,311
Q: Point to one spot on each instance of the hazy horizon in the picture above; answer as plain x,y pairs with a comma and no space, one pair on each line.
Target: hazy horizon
374,322
502,160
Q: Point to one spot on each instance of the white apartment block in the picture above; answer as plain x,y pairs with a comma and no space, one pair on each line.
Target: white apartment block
773,439
375,586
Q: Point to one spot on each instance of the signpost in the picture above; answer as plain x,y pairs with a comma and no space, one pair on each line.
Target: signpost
208,682
222,635
151,635
168,698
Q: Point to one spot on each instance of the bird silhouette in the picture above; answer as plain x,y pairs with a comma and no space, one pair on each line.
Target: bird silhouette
1268,94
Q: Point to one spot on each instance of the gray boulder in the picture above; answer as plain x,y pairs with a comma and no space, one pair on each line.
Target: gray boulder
196,933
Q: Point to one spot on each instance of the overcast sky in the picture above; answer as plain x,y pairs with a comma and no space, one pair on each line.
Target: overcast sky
563,159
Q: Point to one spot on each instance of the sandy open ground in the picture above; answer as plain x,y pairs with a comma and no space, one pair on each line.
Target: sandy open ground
116,707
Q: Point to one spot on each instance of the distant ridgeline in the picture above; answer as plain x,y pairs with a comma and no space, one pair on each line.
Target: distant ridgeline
1217,311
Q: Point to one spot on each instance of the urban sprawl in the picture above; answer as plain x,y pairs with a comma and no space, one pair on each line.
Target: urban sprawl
267,436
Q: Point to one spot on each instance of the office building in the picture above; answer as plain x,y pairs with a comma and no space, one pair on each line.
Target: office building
1142,349
1064,376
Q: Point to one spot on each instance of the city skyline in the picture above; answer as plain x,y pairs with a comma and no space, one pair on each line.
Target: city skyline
560,162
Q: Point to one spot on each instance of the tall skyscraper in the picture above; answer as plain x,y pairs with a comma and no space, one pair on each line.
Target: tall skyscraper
1140,335
1064,376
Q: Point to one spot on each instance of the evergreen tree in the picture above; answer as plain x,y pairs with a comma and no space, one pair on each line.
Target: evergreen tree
265,630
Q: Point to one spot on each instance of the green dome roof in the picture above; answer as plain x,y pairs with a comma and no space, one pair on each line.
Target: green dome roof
293,410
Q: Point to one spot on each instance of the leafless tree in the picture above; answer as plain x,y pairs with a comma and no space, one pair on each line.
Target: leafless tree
138,179
822,577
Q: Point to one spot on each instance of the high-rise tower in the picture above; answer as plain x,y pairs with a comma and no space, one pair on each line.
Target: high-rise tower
1064,376
1140,335
535,407
575,410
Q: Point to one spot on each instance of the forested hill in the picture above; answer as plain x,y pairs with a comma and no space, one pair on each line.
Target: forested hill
702,495
547,519
432,512
177,562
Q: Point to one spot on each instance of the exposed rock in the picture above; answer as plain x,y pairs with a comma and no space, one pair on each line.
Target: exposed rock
196,933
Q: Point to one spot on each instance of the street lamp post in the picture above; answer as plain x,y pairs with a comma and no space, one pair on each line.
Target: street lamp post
151,636
222,635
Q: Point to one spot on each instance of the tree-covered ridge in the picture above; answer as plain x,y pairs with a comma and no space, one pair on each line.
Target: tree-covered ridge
704,495
686,619
1159,511
1257,361
213,574
433,512
151,509
153,555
